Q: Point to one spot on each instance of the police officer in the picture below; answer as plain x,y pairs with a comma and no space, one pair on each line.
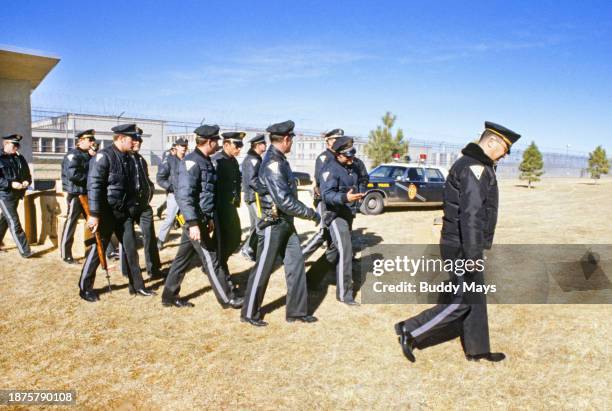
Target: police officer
196,198
14,180
75,168
250,171
143,213
322,160
167,178
227,198
113,199
470,216
170,152
339,186
277,237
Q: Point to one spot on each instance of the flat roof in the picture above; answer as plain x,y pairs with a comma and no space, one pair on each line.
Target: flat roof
18,64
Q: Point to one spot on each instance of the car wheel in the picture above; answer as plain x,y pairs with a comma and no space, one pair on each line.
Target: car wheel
373,204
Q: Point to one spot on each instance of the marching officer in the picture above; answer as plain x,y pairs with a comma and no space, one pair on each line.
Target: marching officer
112,199
322,160
15,178
339,186
143,213
278,237
470,215
167,178
227,199
250,171
75,168
196,198
170,152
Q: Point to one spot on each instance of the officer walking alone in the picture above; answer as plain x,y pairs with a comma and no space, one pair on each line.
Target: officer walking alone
227,199
250,170
196,198
113,200
470,216
278,237
167,178
339,186
75,168
14,180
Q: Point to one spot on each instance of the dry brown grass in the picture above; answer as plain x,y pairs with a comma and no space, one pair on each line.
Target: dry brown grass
132,353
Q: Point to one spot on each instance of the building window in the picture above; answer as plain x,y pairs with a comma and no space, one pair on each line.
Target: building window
36,145
60,145
70,144
46,145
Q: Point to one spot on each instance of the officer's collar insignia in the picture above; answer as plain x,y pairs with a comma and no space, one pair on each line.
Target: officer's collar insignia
70,157
325,175
273,166
189,164
254,161
99,157
477,170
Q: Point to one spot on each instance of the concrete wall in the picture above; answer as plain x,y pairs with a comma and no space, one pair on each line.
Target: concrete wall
15,112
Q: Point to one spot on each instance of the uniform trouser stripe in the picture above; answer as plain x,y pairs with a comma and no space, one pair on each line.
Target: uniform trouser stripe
67,226
340,267
90,257
260,265
435,321
213,275
12,226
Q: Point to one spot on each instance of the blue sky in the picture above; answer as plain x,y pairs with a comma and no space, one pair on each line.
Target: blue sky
542,68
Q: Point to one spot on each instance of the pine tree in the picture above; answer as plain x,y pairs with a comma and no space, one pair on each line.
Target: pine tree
598,163
382,144
532,164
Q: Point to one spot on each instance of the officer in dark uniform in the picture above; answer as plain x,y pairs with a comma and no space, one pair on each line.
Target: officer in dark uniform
339,186
170,152
196,198
143,213
250,171
113,201
15,178
277,236
470,216
322,160
167,178
75,168
227,199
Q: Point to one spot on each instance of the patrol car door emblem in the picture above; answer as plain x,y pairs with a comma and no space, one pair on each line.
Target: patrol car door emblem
412,191
477,170
189,164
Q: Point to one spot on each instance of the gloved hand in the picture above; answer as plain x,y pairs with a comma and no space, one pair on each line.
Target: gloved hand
317,218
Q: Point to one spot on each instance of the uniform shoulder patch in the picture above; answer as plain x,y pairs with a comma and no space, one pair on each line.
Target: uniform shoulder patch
189,164
273,166
70,157
99,157
325,175
254,161
477,170
322,157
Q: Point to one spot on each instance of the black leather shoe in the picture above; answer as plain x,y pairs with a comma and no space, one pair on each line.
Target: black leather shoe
489,356
89,296
256,323
351,302
235,302
177,303
160,245
304,319
406,340
156,274
159,213
69,260
143,292
27,255
114,255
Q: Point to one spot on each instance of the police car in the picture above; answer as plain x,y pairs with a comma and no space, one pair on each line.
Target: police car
404,184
